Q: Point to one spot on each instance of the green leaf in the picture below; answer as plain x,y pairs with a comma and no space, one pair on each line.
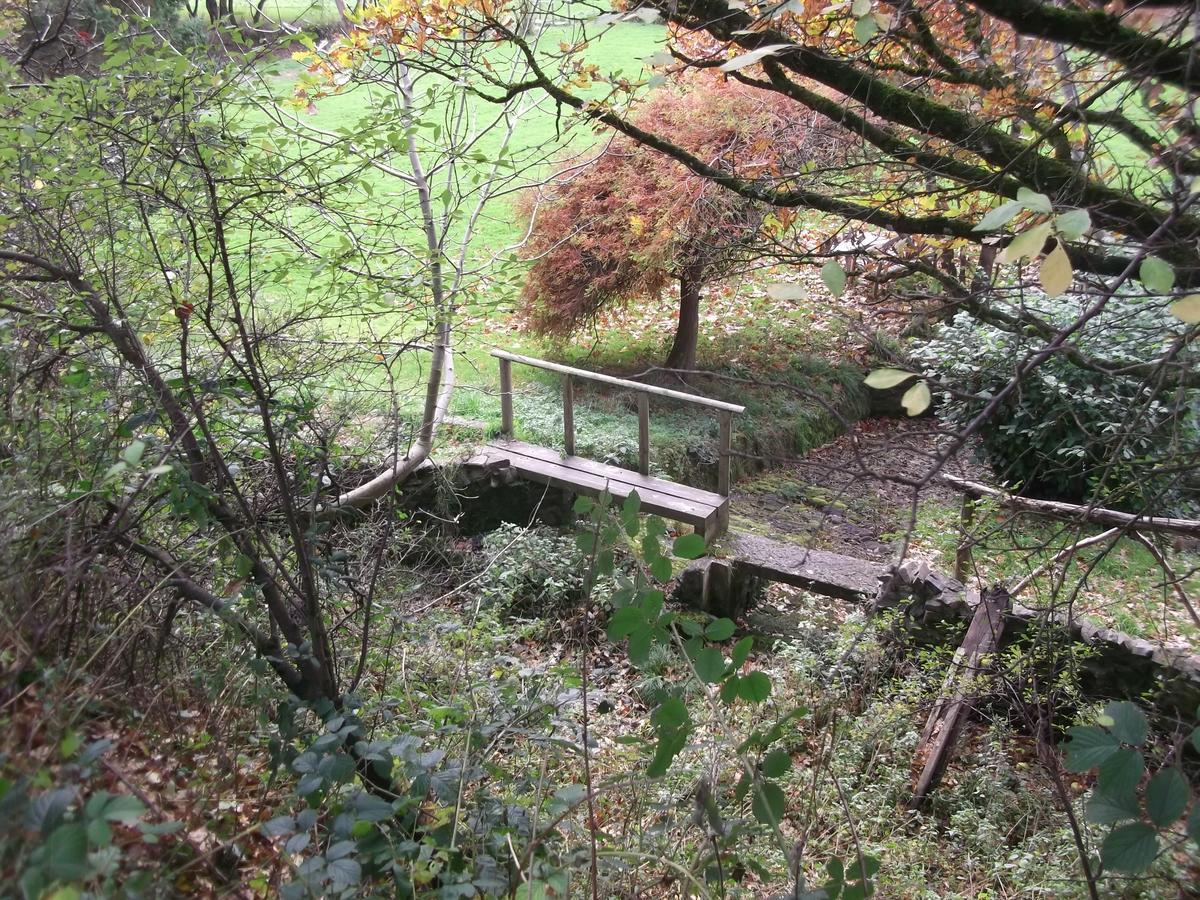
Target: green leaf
66,852
583,505
1121,772
133,453
661,569
1193,823
999,216
1055,273
769,804
671,713
882,379
916,399
1126,721
834,277
1027,243
720,630
1034,201
1089,746
689,546
123,808
1157,275
1073,224
668,748
710,665
865,29
755,687
1106,809
741,650
624,622
1187,309
632,504
776,763
860,8
1130,848
787,291
1166,796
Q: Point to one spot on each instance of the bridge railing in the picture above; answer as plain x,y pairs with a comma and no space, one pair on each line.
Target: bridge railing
725,411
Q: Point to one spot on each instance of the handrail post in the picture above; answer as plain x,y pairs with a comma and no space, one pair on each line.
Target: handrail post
506,410
569,414
644,433
723,447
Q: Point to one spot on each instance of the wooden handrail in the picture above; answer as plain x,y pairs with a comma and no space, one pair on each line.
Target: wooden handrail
725,410
619,382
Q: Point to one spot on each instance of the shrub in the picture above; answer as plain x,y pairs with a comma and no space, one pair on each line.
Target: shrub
189,34
1068,431
533,571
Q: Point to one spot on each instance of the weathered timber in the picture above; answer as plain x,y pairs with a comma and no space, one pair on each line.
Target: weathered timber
945,721
1074,512
832,574
681,503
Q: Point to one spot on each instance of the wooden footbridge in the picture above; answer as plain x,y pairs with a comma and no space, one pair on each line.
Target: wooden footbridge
706,511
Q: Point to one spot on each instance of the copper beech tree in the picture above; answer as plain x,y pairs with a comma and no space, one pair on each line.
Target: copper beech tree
624,226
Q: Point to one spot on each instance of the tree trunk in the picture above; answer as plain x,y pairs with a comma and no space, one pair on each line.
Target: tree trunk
683,350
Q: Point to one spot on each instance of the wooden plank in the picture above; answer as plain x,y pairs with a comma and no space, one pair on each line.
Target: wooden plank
506,400
644,433
618,382
560,476
568,389
949,713
826,573
625,476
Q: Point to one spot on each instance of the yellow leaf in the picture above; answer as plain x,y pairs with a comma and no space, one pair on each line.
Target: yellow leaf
916,399
1056,273
1187,308
1028,243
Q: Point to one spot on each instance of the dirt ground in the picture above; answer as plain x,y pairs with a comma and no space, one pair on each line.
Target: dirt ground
853,495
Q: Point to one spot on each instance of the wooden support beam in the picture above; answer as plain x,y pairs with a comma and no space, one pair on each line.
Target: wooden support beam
951,709
723,447
644,433
568,388
506,409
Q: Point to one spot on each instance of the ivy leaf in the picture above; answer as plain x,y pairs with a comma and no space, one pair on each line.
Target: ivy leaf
710,665
916,399
1073,224
999,216
755,687
1055,273
1166,796
1130,848
689,546
769,804
1187,309
1157,275
1126,721
720,630
1121,772
882,379
834,277
1088,747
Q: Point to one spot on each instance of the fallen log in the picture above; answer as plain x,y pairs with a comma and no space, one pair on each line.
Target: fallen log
1095,514
973,657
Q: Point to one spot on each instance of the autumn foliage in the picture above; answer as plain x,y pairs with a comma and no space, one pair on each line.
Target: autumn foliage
624,226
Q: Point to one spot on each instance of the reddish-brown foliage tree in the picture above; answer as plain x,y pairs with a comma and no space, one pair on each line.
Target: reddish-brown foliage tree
631,221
